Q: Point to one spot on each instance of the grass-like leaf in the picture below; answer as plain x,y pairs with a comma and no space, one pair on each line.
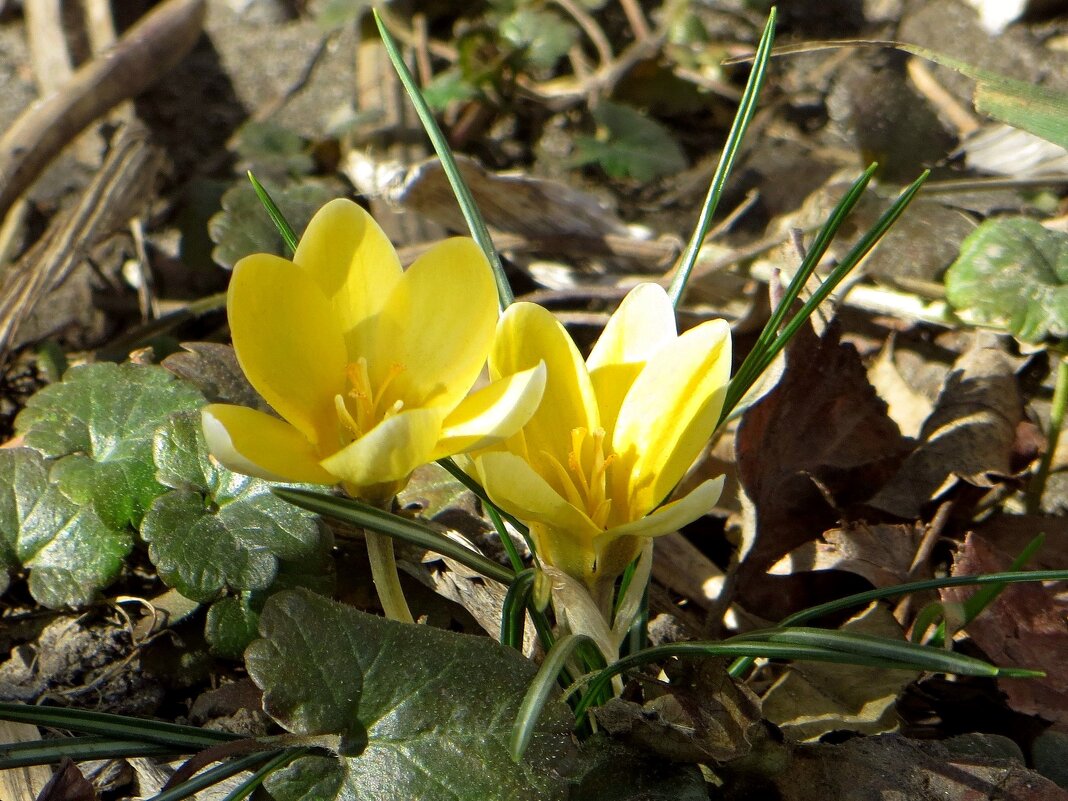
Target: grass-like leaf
78,749
514,609
771,340
742,118
739,667
360,514
213,776
279,220
539,690
472,215
119,727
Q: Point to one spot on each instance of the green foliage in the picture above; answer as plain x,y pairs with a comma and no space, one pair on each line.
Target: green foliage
629,144
272,151
1013,272
217,530
542,36
418,712
70,552
97,423
242,228
231,625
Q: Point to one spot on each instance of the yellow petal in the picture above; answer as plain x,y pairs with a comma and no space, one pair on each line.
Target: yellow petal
643,323
288,342
437,325
562,533
390,451
528,334
672,516
668,415
254,443
355,265
493,413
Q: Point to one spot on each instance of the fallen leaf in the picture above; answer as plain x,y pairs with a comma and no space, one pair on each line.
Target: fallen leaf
882,552
968,437
814,698
67,784
906,406
1026,626
892,767
822,423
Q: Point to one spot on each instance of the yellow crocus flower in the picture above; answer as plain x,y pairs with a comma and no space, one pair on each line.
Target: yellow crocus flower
368,365
612,436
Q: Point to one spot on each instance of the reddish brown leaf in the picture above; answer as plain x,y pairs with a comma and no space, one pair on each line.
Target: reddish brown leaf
1025,627
822,425
882,553
67,784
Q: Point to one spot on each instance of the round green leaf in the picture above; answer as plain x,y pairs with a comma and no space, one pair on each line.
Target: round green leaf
230,626
424,713
1013,272
219,530
102,417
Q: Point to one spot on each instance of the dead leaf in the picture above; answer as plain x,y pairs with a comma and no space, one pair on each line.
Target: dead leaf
1011,534
813,698
702,716
907,407
68,784
213,369
892,768
26,782
822,423
882,552
969,436
1025,627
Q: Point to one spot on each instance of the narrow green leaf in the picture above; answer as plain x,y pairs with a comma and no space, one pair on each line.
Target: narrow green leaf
539,690
630,145
742,118
920,657
279,220
360,514
184,738
79,749
514,609
247,787
213,776
472,215
863,598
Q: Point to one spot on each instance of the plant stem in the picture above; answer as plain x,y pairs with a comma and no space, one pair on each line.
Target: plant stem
386,578
1056,423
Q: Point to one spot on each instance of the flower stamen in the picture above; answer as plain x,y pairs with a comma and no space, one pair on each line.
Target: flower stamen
585,479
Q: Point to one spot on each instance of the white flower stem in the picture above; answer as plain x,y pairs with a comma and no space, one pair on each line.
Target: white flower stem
386,578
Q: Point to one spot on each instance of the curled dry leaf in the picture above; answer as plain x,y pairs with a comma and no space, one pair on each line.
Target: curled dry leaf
1027,626
882,552
968,437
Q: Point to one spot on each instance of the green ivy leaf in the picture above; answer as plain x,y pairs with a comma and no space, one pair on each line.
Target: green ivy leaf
219,530
243,227
97,423
272,151
420,712
71,554
1013,272
544,37
630,144
230,626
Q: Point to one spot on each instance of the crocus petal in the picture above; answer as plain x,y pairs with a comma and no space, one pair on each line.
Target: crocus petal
287,341
561,532
513,485
672,516
669,413
641,326
354,264
437,326
493,413
388,452
254,443
526,335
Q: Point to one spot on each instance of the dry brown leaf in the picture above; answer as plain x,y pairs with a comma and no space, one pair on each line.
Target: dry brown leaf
814,698
894,768
1025,627
907,407
969,436
68,784
822,428
882,553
